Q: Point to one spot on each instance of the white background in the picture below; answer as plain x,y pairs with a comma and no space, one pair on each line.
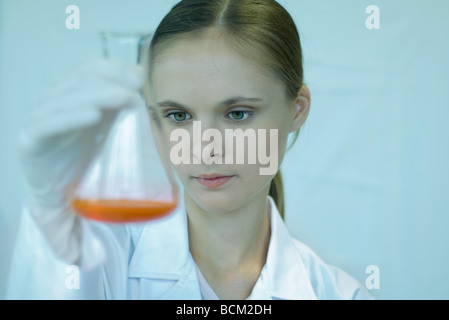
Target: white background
367,182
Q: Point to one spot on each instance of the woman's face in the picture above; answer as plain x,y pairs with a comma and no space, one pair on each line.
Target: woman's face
203,83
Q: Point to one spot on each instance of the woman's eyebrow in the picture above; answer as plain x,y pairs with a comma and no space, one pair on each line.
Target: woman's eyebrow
225,103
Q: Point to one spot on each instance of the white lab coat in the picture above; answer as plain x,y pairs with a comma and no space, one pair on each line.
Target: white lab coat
153,261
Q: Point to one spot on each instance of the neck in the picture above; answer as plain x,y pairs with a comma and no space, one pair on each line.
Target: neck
232,240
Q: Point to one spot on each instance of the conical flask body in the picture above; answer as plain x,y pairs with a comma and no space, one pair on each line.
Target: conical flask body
130,179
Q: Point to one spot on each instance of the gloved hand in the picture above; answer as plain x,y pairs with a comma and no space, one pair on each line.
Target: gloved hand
59,138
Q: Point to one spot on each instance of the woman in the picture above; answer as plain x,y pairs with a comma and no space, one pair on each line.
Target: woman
228,64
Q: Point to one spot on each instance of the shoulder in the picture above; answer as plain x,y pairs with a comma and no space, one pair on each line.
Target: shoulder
329,282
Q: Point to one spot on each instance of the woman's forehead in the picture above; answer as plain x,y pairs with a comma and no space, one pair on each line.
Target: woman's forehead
207,54
209,65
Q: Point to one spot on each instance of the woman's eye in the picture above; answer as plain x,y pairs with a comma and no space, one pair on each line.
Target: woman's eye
177,116
240,115
180,116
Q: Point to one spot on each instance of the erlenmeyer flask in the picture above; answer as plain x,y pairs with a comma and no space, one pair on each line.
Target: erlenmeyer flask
130,178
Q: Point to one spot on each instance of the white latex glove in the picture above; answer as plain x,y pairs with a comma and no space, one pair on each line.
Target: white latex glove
59,139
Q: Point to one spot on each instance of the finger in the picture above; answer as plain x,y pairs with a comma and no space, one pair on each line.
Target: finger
31,138
109,98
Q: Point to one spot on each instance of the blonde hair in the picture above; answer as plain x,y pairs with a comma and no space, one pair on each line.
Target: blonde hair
261,29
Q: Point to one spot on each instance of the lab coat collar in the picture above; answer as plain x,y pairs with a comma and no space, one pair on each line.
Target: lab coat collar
286,275
162,252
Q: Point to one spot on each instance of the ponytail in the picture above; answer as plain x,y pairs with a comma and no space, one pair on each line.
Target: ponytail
277,192
277,186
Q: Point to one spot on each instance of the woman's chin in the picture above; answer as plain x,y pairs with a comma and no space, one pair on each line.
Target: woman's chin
216,202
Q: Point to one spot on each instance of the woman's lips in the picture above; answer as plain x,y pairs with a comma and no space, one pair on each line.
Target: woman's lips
213,182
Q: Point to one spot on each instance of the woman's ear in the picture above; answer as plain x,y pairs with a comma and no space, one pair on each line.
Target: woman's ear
302,107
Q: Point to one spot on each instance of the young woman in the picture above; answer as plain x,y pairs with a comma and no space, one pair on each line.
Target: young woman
228,64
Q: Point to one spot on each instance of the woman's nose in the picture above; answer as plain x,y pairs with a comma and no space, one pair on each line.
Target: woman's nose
207,144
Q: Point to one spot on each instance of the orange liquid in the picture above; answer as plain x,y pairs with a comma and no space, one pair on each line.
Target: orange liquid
121,211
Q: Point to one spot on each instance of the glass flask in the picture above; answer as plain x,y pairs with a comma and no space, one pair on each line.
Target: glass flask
130,178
